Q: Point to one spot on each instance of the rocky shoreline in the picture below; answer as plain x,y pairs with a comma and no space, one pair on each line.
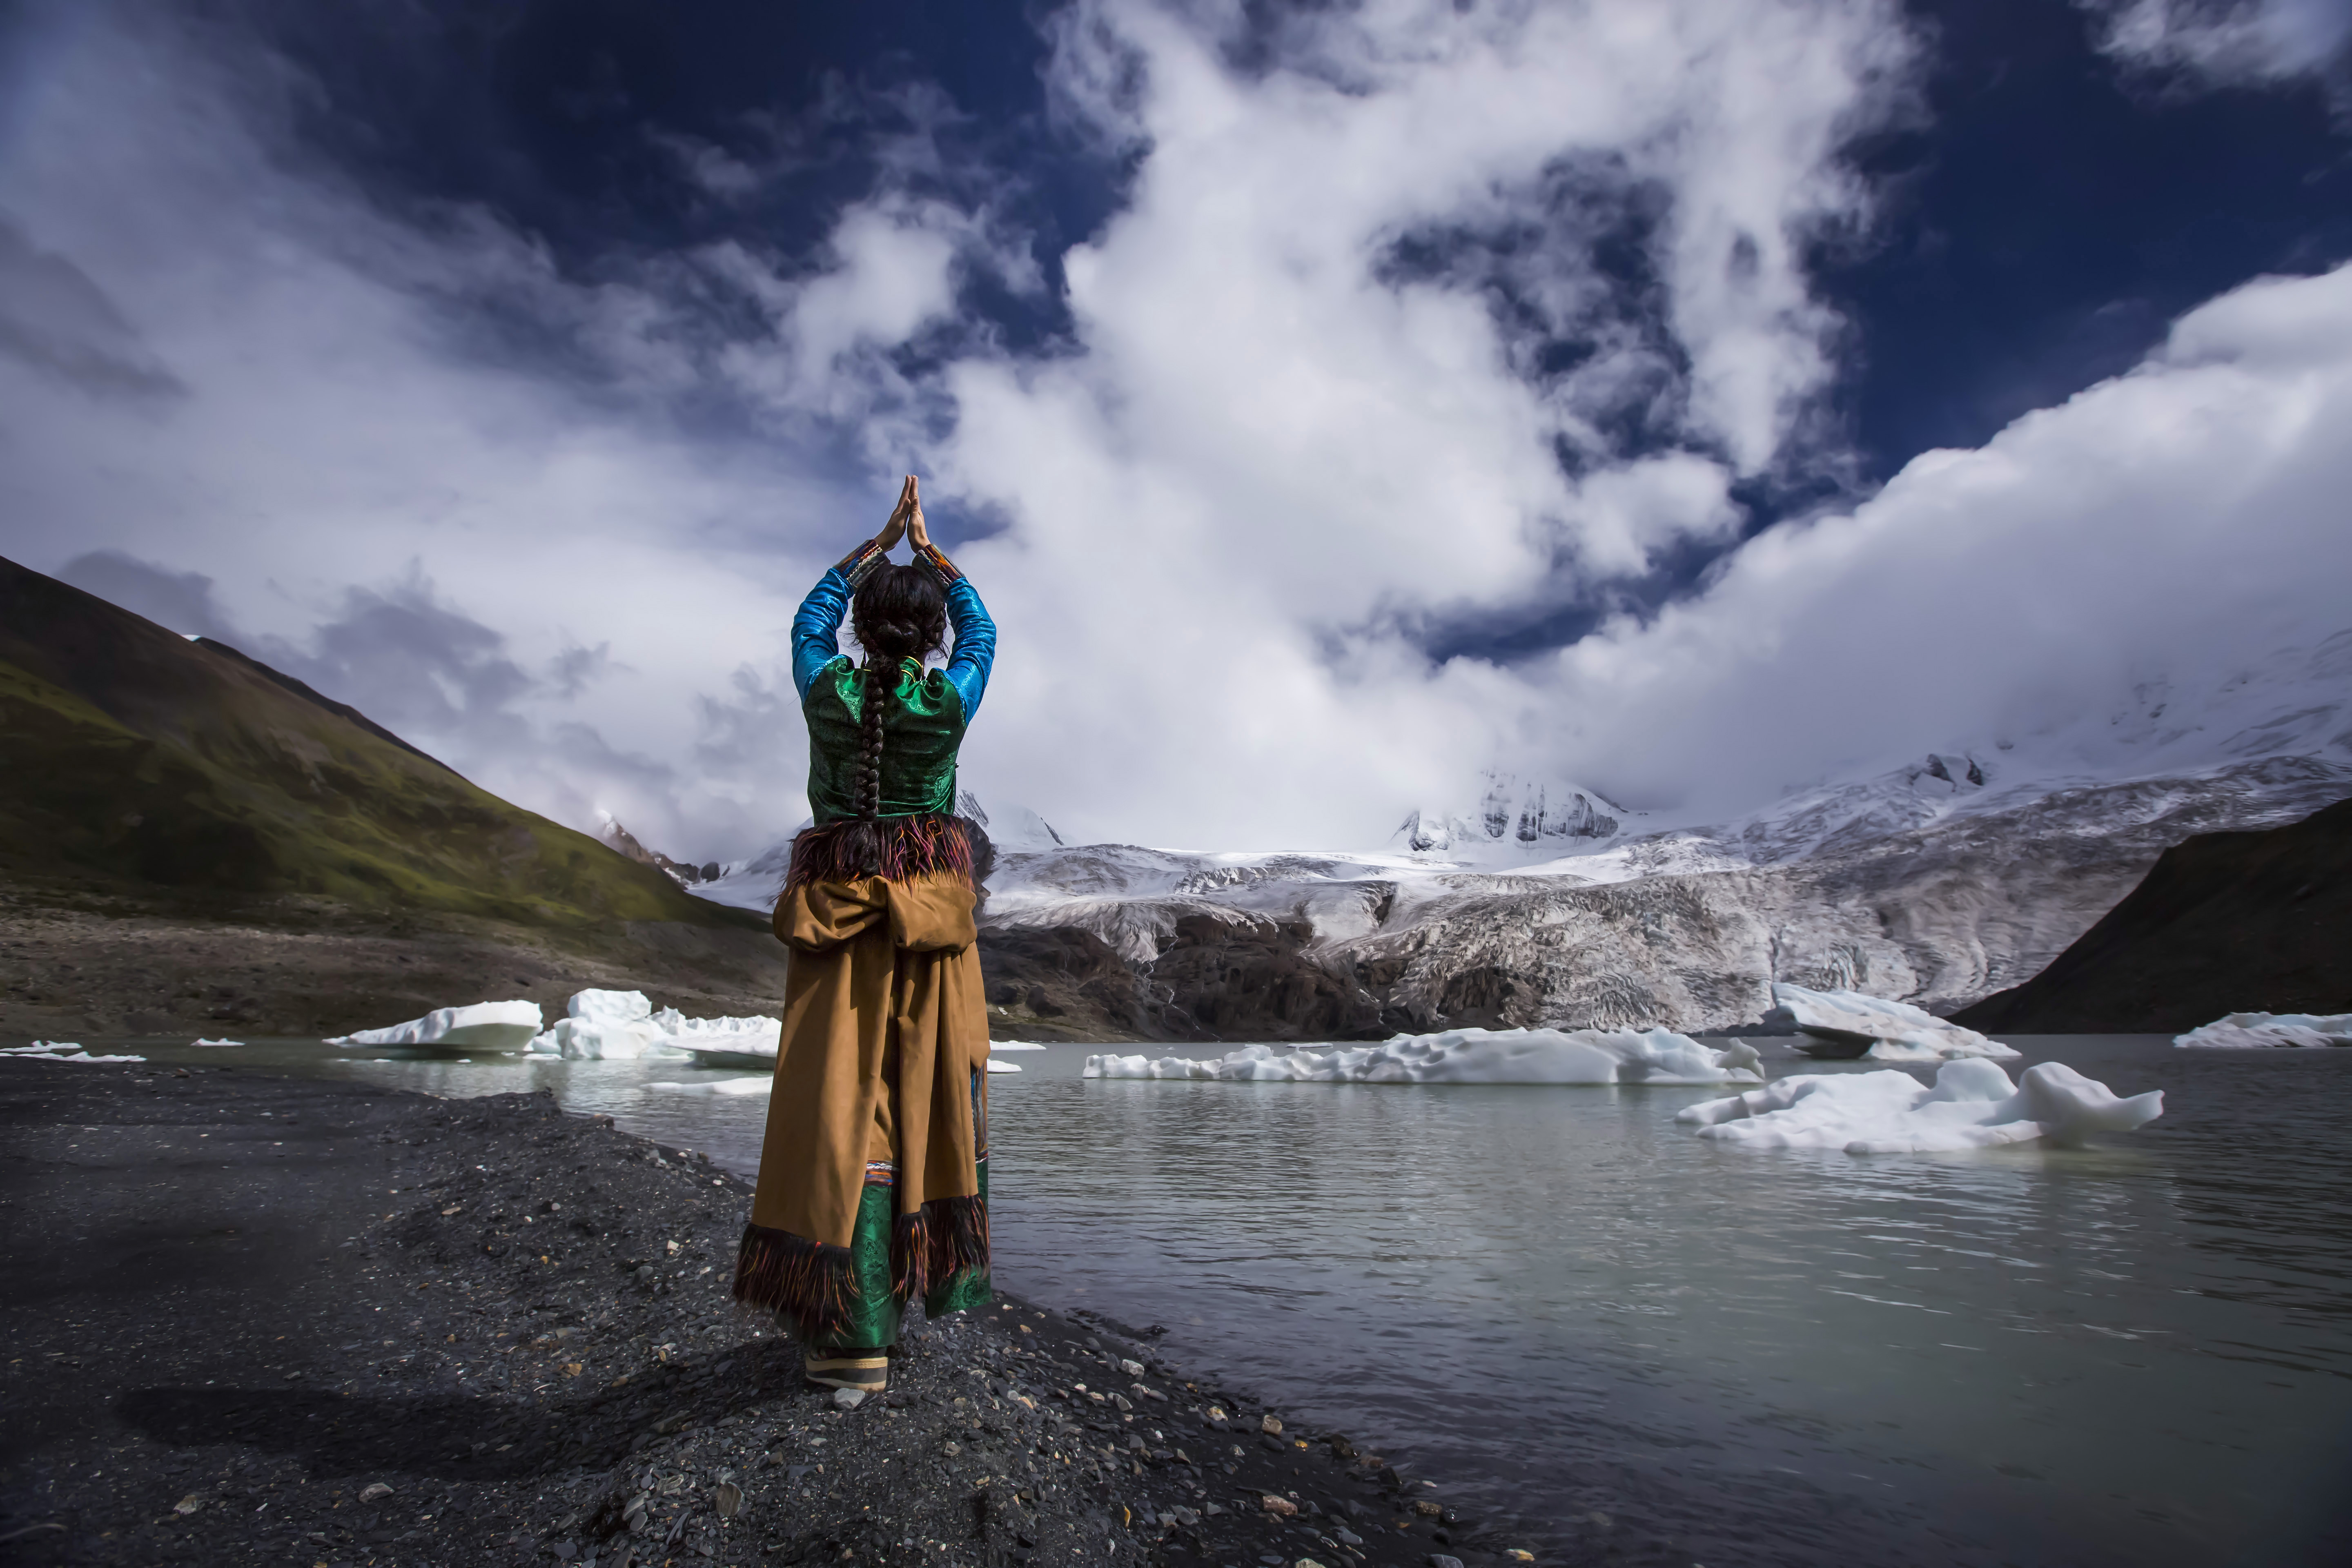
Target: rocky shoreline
273,1319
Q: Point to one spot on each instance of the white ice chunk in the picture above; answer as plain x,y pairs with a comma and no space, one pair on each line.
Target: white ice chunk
1003,1067
622,1025
2262,1031
58,1051
1876,1028
484,1027
1973,1106
725,1085
1013,1046
218,1044
1467,1055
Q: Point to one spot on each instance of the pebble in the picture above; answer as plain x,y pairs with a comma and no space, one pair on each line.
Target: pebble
1281,1507
1428,1509
373,1490
849,1398
1347,1537
1440,1560
1271,1423
1132,1368
188,1504
727,1499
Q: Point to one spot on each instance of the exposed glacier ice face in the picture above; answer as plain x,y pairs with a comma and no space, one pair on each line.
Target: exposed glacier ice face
1849,1024
2264,1031
484,1027
1465,1056
622,1025
1973,1106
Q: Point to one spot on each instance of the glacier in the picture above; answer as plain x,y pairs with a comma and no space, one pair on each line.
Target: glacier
1973,1105
1849,1024
1533,901
1464,1056
2262,1031
483,1026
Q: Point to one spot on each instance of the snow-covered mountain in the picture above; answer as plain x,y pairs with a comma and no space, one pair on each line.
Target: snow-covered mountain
1541,902
1515,816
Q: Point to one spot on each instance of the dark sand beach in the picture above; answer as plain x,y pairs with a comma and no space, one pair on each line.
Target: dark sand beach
253,1318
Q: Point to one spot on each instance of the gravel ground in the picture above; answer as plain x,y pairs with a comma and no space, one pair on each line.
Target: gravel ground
264,1320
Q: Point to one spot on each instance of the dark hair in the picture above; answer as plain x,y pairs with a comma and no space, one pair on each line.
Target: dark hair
898,613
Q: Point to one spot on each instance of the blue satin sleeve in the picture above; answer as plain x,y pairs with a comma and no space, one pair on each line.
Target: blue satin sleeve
816,631
975,645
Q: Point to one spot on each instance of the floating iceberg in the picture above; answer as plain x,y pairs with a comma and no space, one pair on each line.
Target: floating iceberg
722,1042
1003,1067
58,1051
1468,1056
729,1087
1973,1106
2261,1031
616,1025
1013,1046
622,1025
484,1027
1847,1024
602,1026
218,1043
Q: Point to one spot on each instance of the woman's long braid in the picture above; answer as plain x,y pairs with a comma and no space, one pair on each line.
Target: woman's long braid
869,778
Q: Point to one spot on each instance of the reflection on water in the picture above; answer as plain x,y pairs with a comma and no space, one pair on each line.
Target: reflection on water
1645,1346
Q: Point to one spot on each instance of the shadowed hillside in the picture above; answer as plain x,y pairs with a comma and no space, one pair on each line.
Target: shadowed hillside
147,778
2225,922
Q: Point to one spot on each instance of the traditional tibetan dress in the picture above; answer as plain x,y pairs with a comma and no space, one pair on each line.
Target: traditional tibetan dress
874,1174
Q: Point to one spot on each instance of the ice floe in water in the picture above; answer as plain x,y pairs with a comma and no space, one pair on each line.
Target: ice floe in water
484,1027
58,1051
216,1045
1468,1056
622,1025
1973,1106
1013,1046
2263,1031
725,1085
1847,1024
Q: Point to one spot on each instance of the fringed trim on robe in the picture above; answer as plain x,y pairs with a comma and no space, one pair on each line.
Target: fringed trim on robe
897,847
807,1280
936,1243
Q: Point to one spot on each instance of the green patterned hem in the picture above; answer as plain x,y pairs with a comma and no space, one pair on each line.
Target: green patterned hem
875,1318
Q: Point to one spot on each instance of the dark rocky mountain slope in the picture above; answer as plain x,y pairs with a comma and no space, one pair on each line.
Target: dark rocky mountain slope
2225,922
153,789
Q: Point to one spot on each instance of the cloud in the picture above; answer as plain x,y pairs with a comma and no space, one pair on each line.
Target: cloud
2226,43
2171,529
1408,318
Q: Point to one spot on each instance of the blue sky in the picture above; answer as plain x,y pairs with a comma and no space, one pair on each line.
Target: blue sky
1332,401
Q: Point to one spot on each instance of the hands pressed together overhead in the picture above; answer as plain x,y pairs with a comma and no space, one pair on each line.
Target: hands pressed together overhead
906,519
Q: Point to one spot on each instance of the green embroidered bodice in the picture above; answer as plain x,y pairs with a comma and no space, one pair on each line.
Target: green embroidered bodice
921,733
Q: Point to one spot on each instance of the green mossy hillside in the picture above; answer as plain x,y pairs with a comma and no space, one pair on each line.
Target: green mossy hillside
132,758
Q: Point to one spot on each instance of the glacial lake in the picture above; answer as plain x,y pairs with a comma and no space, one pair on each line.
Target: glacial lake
1636,1346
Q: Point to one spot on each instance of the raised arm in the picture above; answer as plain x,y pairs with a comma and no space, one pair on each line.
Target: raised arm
975,634
816,625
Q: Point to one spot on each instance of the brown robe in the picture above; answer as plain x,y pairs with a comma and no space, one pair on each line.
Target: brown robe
885,1022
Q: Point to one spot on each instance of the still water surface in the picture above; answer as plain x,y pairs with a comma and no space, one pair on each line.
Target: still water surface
1640,1347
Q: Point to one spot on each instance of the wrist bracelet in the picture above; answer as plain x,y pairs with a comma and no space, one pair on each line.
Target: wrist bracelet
942,567
860,562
